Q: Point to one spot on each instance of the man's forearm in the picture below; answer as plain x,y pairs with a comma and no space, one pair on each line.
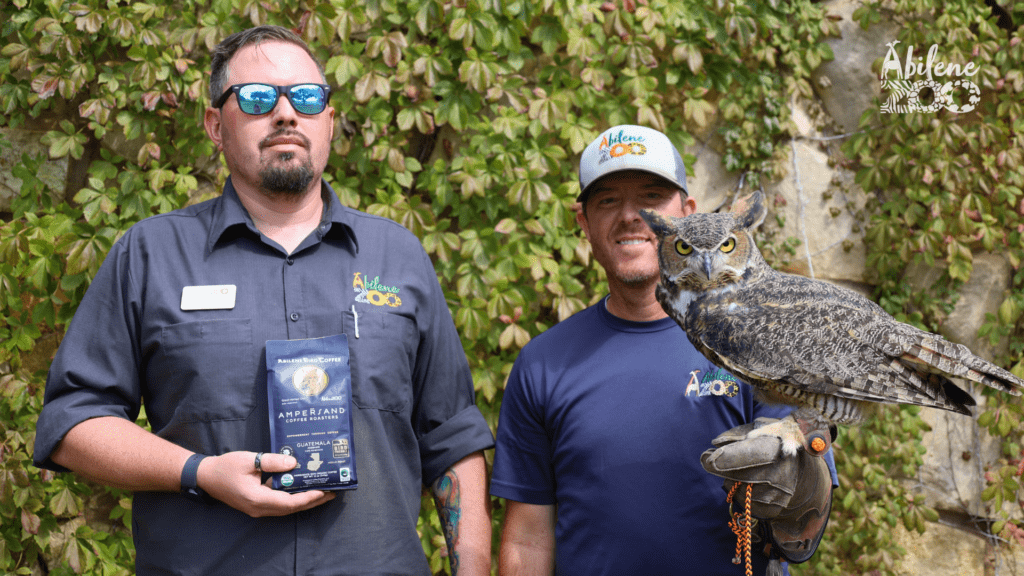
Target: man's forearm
523,560
118,453
528,540
460,495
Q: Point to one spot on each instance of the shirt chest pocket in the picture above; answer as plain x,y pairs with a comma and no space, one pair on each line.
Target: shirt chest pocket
205,371
383,354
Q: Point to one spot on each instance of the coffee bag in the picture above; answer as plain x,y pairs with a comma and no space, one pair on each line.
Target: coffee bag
309,392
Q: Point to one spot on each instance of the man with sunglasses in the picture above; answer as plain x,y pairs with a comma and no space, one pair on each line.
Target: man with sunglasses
178,318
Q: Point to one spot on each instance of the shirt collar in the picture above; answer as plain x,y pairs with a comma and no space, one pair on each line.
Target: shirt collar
230,213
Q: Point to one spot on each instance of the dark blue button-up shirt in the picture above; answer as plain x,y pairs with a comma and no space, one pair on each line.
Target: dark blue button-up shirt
201,375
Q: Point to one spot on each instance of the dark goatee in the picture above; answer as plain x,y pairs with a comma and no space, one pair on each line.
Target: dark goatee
287,180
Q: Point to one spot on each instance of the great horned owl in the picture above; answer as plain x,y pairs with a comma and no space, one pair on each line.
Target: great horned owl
825,349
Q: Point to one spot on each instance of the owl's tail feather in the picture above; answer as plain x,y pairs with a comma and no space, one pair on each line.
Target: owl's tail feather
960,400
957,360
993,376
922,384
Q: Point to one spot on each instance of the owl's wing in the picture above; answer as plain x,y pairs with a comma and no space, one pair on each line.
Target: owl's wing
818,338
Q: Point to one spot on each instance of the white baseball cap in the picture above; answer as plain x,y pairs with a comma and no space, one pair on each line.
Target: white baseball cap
629,147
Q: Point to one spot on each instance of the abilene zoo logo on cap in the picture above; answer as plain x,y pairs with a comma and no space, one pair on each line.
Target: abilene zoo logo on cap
897,79
615,145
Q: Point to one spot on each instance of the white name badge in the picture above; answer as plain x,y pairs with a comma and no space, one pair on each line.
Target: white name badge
220,297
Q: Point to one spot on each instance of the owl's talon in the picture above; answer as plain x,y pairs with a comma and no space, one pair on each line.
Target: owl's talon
787,430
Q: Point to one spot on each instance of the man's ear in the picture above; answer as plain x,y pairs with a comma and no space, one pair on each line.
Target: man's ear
689,206
581,219
212,123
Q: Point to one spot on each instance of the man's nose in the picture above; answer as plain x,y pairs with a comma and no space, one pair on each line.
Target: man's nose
284,113
630,211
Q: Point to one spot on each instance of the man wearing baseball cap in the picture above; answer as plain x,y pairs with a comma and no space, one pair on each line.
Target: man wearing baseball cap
605,416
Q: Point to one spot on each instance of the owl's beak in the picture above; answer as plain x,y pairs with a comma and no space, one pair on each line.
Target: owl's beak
707,264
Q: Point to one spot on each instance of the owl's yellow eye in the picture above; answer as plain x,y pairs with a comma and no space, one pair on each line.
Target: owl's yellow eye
683,248
728,246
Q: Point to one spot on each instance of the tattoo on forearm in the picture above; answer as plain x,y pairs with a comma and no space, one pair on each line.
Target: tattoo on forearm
449,511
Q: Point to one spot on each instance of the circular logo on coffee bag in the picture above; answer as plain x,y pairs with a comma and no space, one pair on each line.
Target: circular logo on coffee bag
310,380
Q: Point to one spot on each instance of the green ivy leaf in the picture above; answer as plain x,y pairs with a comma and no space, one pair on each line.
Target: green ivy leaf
64,503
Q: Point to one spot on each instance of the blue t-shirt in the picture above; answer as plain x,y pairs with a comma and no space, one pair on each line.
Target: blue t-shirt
607,418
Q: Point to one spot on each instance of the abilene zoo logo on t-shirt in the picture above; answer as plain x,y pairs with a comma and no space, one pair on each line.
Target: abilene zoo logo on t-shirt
715,383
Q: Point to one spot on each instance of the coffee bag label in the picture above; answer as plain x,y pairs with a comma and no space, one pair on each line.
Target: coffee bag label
309,392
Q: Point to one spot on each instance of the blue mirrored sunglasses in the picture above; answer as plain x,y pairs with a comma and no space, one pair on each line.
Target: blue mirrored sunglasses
256,99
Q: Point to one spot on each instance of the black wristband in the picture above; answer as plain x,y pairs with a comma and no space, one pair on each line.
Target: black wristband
189,484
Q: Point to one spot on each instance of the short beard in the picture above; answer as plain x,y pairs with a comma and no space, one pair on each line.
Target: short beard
287,180
637,279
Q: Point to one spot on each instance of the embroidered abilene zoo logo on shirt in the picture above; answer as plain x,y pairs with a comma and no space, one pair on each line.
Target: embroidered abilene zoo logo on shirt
373,292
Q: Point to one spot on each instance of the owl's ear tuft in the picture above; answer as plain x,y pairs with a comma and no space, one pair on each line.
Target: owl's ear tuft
752,210
659,224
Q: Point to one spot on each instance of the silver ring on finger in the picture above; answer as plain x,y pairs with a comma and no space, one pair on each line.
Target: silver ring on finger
259,466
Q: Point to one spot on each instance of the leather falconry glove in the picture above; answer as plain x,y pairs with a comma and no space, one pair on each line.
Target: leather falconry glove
792,495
